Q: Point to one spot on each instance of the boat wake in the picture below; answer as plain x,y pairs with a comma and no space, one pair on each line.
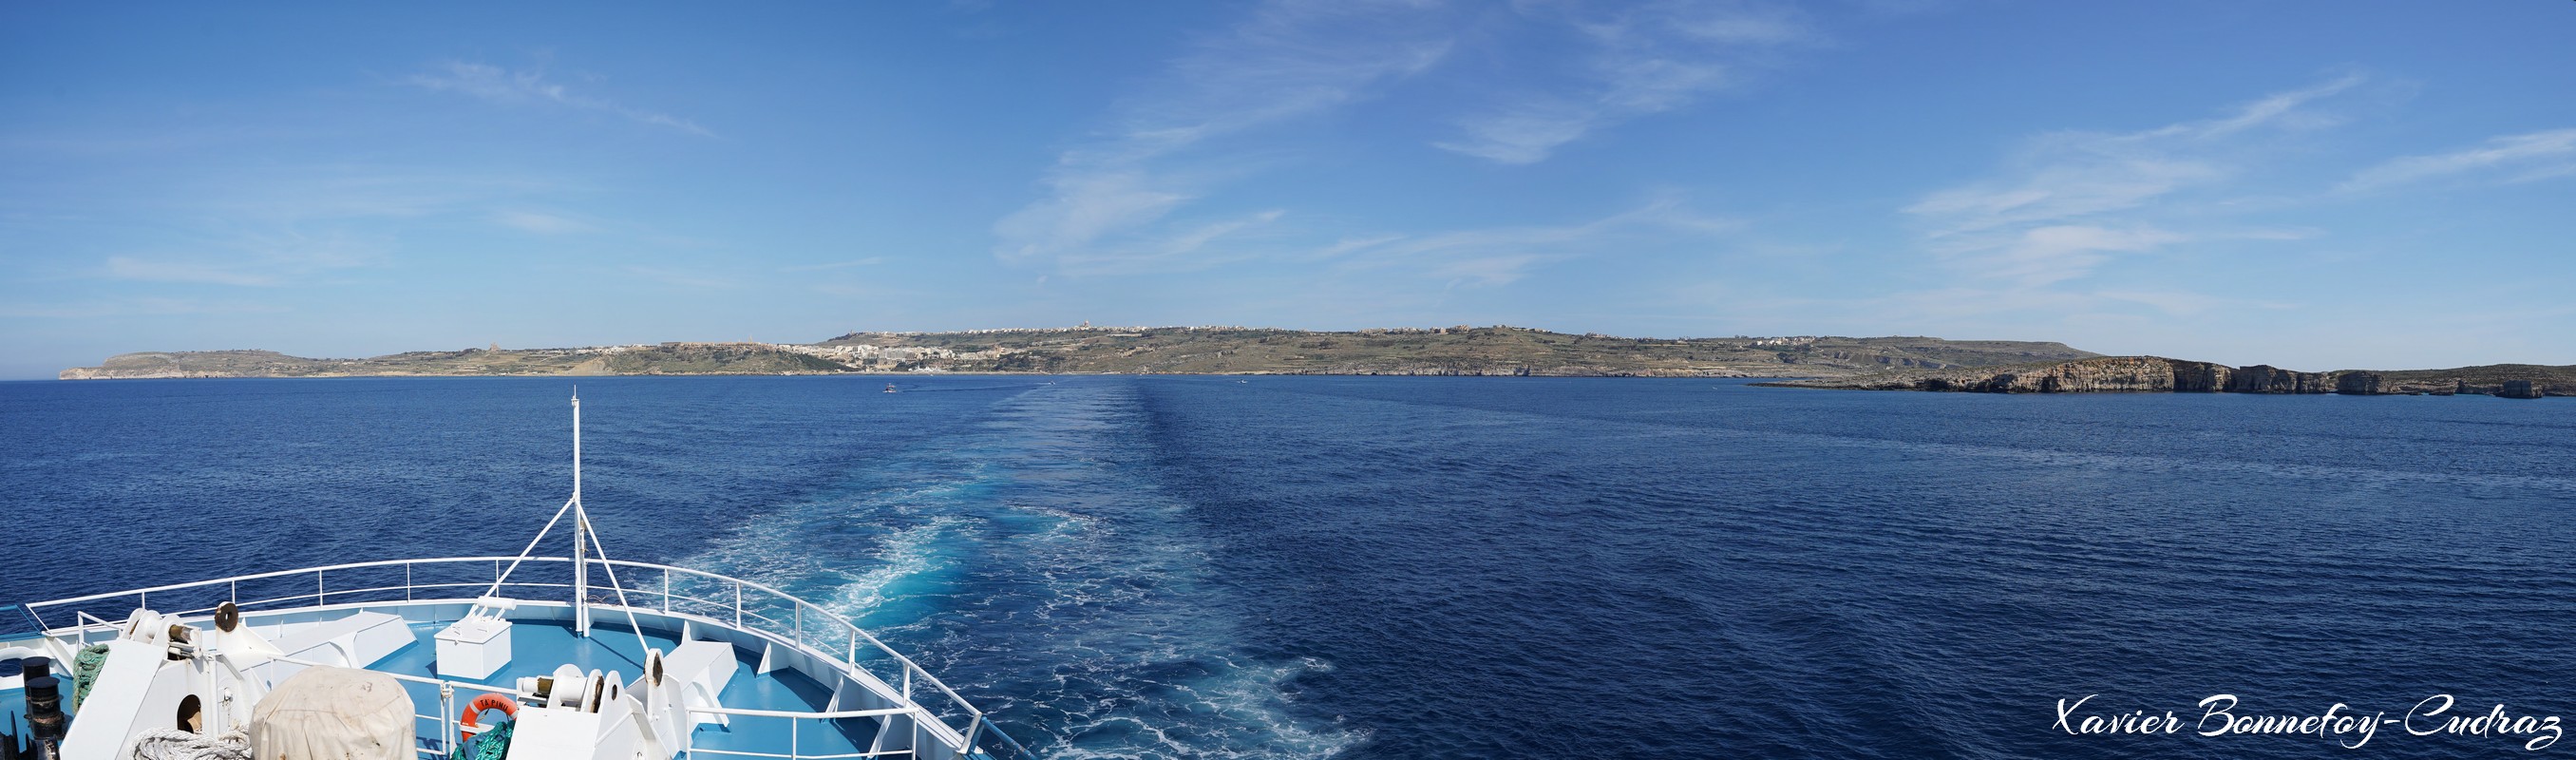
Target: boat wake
1031,560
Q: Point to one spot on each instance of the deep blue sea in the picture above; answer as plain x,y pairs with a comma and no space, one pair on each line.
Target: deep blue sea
1185,567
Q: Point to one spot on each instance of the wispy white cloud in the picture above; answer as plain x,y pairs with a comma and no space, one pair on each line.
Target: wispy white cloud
684,278
1087,203
2034,249
2073,174
853,263
2183,304
129,268
1487,271
1644,59
499,85
1189,241
2070,182
1112,198
264,258
541,223
1494,256
1133,200
2282,110
1972,311
93,141
2072,201
1170,248
290,227
2044,255
133,307
2529,156
1347,245
300,196
851,289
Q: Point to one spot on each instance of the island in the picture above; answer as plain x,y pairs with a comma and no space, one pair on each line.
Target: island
1461,350
1805,361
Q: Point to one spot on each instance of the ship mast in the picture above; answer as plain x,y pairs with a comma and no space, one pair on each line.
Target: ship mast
580,531
585,545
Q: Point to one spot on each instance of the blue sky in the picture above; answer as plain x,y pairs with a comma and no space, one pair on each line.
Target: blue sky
2317,185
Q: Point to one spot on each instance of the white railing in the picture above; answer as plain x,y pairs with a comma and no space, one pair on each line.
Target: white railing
448,725
750,606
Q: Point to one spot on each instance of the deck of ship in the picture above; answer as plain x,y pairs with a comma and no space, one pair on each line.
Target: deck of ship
811,667
540,647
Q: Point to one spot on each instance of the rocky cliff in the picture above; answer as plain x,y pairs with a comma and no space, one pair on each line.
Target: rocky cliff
2264,378
2505,380
2153,374
2200,377
2108,374
2129,374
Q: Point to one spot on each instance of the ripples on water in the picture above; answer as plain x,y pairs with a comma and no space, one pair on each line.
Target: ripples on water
1433,567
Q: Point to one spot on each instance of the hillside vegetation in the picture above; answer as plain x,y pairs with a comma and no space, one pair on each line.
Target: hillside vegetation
1187,350
1448,351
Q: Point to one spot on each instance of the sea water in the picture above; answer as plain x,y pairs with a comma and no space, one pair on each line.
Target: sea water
1196,567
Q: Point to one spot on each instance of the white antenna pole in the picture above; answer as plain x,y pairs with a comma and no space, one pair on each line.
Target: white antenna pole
580,530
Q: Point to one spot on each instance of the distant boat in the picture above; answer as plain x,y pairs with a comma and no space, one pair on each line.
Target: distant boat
890,388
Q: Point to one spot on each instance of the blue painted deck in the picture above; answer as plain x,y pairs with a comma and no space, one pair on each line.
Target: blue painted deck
537,648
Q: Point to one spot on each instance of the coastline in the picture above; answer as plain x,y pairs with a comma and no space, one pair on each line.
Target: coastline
2155,374
1454,351
1888,363
924,374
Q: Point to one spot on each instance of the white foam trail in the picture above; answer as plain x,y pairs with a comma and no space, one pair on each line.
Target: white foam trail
900,555
1088,617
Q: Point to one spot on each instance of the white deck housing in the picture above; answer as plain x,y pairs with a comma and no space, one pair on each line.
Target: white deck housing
822,688
710,616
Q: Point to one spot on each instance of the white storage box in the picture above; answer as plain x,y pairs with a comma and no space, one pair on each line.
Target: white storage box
475,647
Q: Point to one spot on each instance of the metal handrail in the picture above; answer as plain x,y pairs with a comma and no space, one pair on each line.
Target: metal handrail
967,739
447,706
31,606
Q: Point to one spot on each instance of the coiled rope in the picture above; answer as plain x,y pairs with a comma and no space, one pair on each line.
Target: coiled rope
175,744
493,744
85,672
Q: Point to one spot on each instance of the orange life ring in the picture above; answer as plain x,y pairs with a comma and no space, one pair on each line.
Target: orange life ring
469,724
